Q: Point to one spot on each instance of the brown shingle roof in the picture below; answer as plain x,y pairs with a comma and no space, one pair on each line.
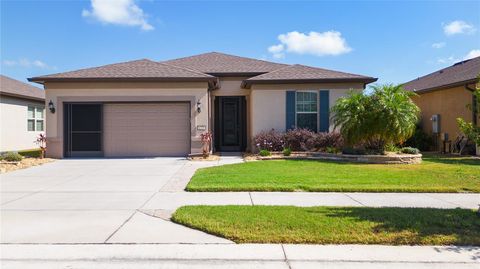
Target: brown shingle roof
13,87
140,69
224,64
195,68
300,73
460,73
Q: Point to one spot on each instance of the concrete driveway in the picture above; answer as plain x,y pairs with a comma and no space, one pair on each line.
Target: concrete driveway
94,201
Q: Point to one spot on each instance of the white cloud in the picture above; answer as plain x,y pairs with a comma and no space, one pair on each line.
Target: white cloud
438,45
314,43
277,51
458,27
448,60
23,62
120,12
472,54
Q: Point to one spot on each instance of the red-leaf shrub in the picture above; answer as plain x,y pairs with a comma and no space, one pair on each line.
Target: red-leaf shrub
326,140
297,140
206,142
42,143
269,140
300,139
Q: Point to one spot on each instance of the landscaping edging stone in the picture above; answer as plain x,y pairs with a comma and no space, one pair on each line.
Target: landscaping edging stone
372,159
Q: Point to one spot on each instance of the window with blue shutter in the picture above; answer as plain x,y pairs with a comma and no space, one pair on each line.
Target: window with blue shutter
324,111
290,107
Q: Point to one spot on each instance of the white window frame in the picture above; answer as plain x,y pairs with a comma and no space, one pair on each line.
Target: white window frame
308,112
35,118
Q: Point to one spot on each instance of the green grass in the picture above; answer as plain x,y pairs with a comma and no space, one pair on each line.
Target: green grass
334,225
434,174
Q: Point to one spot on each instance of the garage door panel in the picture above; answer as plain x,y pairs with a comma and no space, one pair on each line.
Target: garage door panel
137,130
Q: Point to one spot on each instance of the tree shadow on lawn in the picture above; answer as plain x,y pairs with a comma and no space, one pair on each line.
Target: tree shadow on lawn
461,226
473,251
430,157
451,159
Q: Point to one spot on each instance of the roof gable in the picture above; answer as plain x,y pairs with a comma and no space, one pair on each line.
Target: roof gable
13,87
461,72
219,63
139,69
300,73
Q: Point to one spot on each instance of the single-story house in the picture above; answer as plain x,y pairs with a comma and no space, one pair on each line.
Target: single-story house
22,110
443,97
146,108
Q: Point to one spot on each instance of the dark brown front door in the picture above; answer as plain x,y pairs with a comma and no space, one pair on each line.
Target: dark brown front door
230,123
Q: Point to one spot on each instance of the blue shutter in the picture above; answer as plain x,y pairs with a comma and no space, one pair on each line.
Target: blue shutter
324,111
290,107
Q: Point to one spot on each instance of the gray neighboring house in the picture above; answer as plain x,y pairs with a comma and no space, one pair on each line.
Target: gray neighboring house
147,108
22,114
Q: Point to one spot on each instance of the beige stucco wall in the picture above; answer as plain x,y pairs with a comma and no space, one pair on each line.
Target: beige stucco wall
60,92
231,86
268,102
450,104
14,134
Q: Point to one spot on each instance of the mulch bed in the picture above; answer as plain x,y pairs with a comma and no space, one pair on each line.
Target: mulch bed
25,163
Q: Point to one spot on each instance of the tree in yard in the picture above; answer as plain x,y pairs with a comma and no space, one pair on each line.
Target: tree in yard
472,131
386,116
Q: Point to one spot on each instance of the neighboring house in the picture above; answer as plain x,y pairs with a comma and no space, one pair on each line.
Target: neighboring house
147,108
22,114
446,93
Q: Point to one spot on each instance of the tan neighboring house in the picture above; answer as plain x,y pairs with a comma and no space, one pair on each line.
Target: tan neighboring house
22,114
443,97
146,108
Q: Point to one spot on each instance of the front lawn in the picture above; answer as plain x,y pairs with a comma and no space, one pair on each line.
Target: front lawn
434,174
334,225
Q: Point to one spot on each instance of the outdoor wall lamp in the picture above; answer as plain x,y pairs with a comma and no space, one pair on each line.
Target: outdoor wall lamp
51,107
198,106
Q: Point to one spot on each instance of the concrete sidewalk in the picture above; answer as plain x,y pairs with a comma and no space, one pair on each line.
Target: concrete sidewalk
237,256
172,200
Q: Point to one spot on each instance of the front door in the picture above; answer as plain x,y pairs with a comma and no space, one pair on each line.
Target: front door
230,123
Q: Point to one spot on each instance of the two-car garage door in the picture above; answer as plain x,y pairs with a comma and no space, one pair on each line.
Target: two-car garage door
146,129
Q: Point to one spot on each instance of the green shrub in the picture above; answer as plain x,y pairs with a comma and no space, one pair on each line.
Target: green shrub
387,115
420,140
392,148
332,150
265,152
12,157
32,153
287,152
410,150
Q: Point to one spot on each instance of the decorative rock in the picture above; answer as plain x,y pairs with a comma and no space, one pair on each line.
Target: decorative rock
373,159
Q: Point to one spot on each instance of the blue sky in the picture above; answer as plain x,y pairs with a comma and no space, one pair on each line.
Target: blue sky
394,41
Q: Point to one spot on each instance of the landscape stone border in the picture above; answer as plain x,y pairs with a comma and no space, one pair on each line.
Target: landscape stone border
372,159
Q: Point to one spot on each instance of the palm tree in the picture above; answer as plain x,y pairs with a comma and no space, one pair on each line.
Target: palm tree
387,115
